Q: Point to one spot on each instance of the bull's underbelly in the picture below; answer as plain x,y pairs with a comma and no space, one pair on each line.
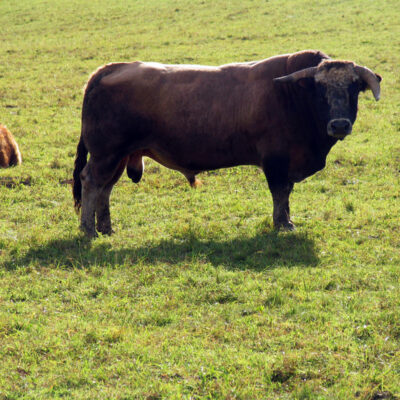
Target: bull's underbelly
200,151
192,161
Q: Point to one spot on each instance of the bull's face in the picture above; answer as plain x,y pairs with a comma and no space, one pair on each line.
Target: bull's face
335,86
337,90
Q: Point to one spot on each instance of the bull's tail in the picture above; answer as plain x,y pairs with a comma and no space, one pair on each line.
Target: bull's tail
80,162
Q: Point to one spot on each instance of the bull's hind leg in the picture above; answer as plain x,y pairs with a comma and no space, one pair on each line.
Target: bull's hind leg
90,193
96,175
103,202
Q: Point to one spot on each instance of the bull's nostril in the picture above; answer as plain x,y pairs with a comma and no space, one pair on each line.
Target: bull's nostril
340,125
339,128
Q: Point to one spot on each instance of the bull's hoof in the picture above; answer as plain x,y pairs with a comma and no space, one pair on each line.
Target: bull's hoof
104,225
90,233
105,231
285,225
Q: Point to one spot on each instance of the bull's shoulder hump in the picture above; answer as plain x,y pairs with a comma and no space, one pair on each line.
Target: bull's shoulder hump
271,67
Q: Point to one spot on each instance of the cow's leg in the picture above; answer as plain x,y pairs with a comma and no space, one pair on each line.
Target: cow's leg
281,213
103,202
94,177
90,193
276,172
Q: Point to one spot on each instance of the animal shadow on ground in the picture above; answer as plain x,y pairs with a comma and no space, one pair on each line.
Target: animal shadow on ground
264,250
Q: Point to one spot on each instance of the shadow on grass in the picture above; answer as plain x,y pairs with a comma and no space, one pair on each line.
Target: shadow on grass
265,250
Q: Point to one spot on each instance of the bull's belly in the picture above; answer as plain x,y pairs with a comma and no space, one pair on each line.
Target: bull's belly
193,162
200,152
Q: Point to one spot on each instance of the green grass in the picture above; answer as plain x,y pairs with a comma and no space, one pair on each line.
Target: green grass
196,296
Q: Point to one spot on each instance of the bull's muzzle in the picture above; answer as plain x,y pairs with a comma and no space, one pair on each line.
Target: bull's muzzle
339,128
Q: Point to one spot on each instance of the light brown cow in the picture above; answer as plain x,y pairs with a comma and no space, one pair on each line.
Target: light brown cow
9,151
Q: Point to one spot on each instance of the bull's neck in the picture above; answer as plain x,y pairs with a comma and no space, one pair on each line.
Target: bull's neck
303,118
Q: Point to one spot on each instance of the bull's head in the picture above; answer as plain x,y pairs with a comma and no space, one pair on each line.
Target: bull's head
336,85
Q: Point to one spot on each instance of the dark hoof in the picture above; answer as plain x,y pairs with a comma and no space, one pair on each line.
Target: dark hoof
104,229
90,233
107,232
285,226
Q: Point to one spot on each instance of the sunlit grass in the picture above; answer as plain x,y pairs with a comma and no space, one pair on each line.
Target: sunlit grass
196,296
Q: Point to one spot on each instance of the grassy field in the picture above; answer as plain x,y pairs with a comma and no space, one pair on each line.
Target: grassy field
196,296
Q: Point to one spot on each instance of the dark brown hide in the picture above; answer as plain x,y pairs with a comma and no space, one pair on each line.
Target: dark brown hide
196,118
9,151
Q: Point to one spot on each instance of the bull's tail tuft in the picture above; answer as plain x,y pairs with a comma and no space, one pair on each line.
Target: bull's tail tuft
80,162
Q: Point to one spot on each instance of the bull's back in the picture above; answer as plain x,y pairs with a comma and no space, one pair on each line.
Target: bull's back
210,101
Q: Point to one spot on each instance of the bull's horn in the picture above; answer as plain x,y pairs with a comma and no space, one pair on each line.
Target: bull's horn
295,76
371,79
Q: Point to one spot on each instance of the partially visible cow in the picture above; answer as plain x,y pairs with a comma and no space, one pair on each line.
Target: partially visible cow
282,114
9,151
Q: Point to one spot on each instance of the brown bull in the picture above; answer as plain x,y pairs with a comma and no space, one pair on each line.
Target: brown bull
282,114
9,151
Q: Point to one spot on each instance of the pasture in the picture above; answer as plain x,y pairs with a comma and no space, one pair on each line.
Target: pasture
196,296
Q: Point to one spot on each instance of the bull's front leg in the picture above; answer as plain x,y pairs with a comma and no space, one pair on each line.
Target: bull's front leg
276,172
281,213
